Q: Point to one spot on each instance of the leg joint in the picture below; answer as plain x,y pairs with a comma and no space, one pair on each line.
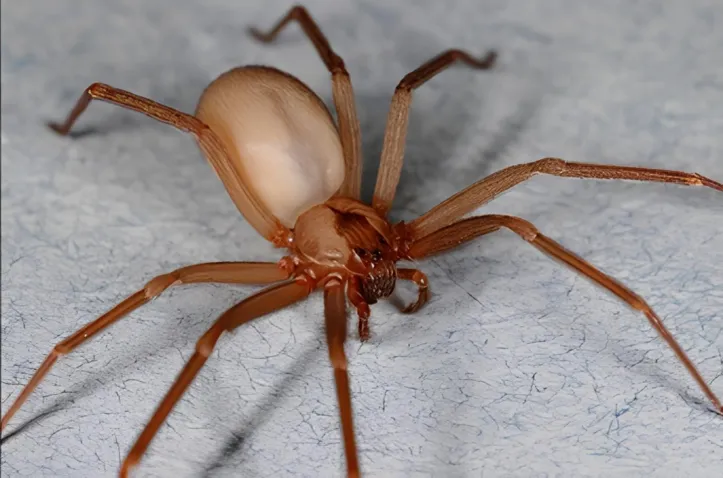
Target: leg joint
550,165
337,357
298,11
207,342
158,284
97,89
405,86
337,66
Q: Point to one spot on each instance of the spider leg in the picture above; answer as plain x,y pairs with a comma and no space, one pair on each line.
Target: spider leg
253,210
467,229
335,320
356,298
342,92
419,278
487,189
268,300
223,272
390,166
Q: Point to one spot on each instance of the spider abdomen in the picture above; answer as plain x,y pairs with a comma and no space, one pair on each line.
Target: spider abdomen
280,137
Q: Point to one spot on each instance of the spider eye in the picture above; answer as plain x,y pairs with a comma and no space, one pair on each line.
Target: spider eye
360,252
377,254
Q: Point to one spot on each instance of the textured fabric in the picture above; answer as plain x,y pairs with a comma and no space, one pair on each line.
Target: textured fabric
516,368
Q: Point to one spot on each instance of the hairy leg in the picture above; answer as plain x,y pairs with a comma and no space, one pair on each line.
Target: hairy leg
356,298
223,272
253,210
468,229
336,331
395,135
485,190
262,303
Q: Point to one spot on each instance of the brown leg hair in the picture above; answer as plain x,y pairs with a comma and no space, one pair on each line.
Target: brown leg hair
468,229
485,190
335,320
268,300
390,167
341,89
220,272
253,210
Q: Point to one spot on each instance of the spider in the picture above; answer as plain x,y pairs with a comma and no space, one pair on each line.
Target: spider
295,175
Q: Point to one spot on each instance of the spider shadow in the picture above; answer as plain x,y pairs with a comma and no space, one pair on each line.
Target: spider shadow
155,345
234,444
627,358
28,424
648,369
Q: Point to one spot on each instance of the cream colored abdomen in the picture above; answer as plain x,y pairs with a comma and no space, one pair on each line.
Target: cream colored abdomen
280,136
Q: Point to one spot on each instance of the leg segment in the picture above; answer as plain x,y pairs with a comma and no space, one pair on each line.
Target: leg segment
341,89
225,272
419,278
253,210
335,318
490,187
395,135
463,231
452,236
356,298
264,302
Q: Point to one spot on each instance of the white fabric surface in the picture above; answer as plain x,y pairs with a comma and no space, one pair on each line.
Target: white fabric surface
516,368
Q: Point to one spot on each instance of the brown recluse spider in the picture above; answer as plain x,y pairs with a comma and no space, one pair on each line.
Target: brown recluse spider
295,176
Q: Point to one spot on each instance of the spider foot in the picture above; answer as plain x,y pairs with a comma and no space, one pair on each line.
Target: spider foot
59,128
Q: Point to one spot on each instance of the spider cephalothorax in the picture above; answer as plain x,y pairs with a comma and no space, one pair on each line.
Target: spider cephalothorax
296,175
348,238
